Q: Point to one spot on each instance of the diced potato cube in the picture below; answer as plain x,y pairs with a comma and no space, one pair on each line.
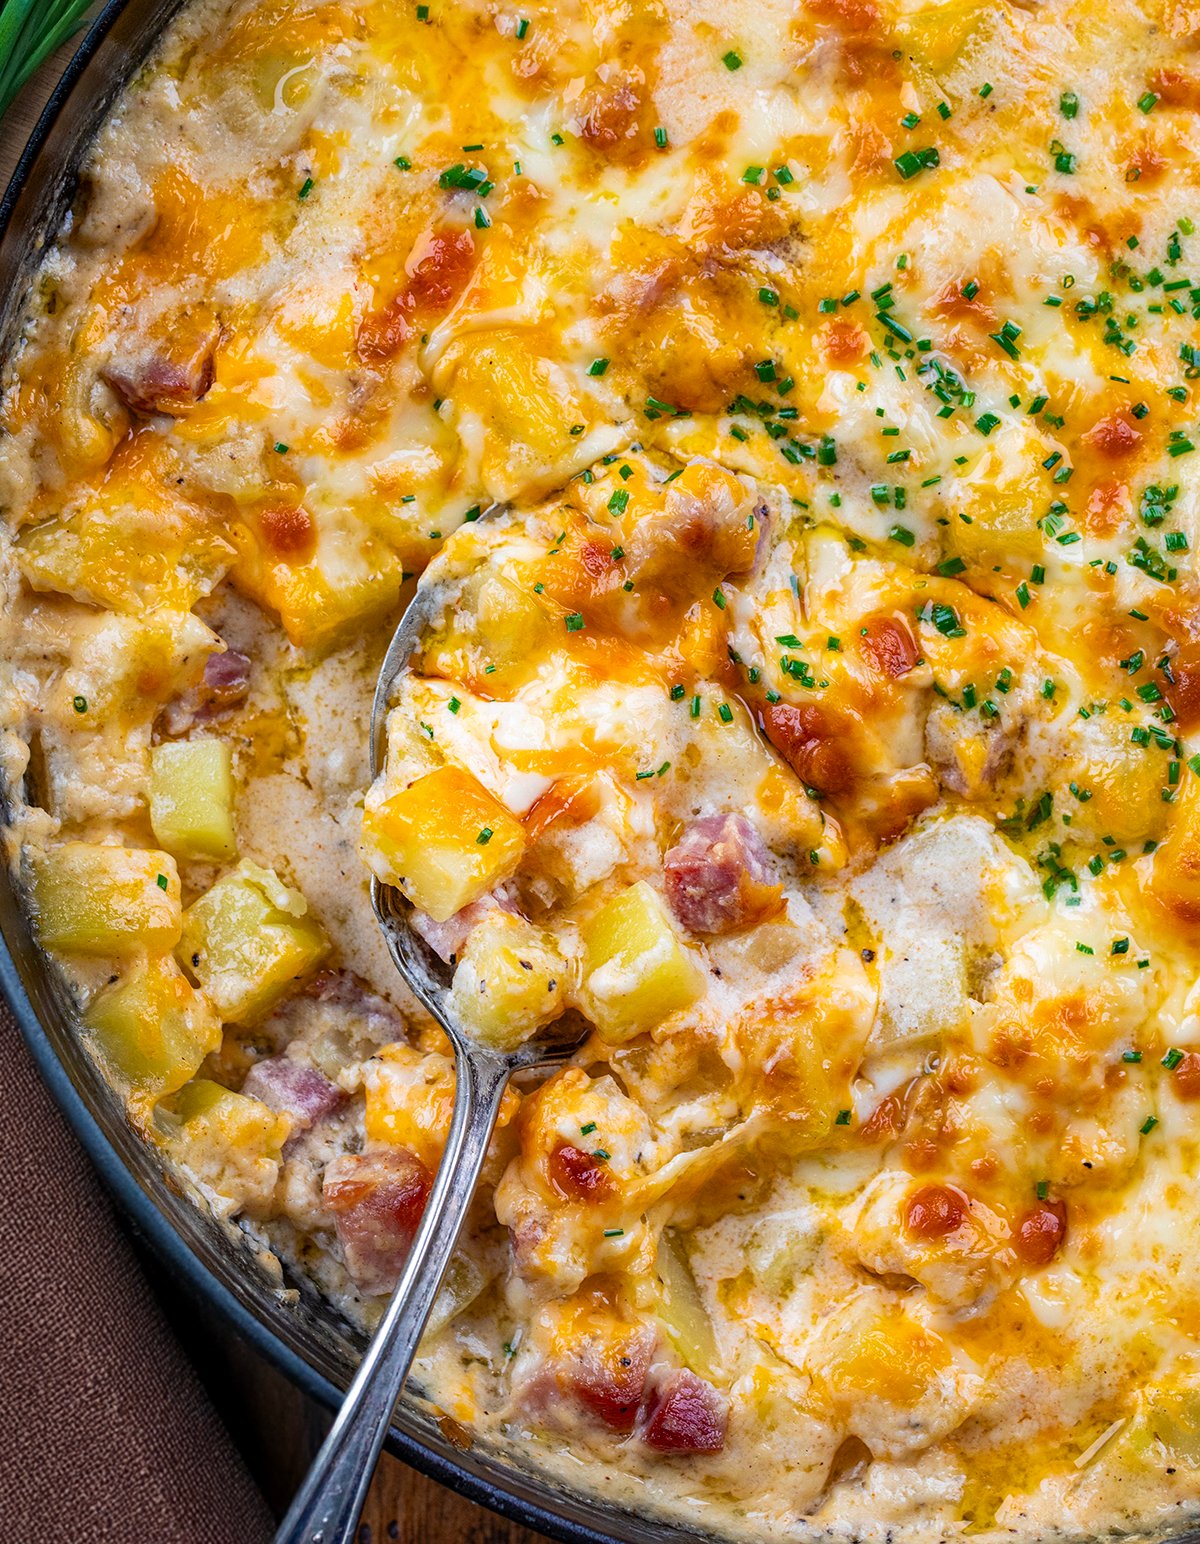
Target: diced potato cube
153,1029
124,555
512,627
445,841
231,1143
408,1099
93,899
519,407
191,798
682,1310
248,940
888,1356
1166,1422
1001,498
936,35
1176,872
463,1282
493,638
237,1117
636,971
118,661
509,980
350,583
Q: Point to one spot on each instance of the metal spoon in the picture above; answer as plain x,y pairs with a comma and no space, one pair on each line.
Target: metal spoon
326,1508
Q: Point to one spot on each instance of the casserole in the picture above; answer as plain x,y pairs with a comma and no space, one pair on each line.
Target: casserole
815,783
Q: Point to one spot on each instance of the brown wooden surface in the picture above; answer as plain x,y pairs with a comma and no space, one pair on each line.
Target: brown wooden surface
274,1425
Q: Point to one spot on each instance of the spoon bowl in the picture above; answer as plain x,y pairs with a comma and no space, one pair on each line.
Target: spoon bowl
326,1508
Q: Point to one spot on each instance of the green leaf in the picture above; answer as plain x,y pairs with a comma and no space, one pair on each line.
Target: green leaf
30,31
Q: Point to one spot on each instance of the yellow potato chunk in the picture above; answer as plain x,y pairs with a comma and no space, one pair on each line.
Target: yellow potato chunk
191,798
937,34
493,639
636,971
509,981
445,841
1002,505
93,899
682,1310
1166,1426
511,625
231,1143
409,1098
349,584
118,661
124,556
236,1117
524,404
248,940
1175,877
153,1029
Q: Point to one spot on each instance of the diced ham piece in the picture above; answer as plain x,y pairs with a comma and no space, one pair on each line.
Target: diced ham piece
812,743
718,876
170,379
446,939
343,989
608,1376
685,1415
226,678
294,1089
376,1200
578,1175
890,646
224,685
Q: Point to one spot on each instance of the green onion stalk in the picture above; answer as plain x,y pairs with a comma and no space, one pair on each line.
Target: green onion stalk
30,31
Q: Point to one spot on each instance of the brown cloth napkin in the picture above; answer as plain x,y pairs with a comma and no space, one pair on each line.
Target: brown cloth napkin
106,1436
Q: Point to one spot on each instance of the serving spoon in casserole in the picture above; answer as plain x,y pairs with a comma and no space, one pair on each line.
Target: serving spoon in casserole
326,1508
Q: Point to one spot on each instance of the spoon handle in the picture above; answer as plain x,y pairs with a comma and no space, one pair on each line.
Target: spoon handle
326,1508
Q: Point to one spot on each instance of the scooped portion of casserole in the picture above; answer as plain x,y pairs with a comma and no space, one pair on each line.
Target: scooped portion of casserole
794,409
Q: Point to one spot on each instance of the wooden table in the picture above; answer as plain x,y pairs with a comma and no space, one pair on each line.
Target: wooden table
277,1429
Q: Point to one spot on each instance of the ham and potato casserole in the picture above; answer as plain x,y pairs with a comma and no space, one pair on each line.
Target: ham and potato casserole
793,406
